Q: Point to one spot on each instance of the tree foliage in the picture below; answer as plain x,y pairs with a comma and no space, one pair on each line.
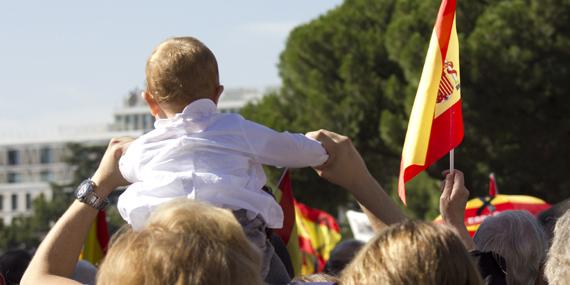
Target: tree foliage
355,71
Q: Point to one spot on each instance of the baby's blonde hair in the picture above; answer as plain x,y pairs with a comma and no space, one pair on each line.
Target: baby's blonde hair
412,252
181,70
184,242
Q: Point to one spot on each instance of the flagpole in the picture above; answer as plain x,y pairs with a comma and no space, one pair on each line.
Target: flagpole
451,159
282,175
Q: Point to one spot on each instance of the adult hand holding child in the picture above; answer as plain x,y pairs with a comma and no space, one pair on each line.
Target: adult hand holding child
346,168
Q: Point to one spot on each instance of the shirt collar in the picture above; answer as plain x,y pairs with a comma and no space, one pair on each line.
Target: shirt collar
198,109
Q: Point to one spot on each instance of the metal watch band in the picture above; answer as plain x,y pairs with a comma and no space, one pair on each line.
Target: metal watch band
95,201
86,194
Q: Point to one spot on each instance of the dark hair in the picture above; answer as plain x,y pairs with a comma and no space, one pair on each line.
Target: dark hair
548,218
342,255
13,263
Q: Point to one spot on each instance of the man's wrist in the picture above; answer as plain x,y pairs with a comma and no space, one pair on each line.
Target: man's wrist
102,189
86,193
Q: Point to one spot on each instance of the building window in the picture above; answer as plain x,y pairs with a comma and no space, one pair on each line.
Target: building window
45,155
28,201
14,202
136,122
1,202
13,157
45,176
127,122
148,121
14,177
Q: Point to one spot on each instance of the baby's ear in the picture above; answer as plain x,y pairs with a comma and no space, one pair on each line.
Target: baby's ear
219,92
151,102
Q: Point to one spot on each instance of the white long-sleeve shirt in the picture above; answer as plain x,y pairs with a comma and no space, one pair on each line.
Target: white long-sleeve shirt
210,156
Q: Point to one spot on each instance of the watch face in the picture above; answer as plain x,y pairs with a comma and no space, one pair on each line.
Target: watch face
83,189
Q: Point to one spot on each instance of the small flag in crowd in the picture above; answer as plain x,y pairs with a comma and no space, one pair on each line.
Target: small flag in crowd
493,190
97,241
436,123
309,234
480,208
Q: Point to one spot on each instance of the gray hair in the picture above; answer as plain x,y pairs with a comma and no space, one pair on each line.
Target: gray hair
557,269
519,239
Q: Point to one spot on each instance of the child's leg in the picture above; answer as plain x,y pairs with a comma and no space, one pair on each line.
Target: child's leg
272,268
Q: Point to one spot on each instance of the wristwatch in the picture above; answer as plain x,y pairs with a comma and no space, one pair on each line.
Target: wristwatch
86,193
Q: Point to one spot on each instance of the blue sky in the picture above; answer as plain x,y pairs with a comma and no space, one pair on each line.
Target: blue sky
67,63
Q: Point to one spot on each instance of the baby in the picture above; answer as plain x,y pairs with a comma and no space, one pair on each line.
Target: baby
196,152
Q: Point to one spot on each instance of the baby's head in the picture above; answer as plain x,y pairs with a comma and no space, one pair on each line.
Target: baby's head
179,71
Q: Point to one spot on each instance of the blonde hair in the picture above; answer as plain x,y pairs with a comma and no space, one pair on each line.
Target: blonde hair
184,242
318,277
557,268
412,252
181,70
519,239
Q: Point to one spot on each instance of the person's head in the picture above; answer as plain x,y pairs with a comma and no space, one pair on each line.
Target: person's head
519,239
549,217
412,252
85,272
13,263
557,268
179,71
341,255
183,242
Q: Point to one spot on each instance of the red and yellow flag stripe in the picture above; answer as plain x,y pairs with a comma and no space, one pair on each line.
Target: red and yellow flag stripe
308,233
97,241
478,209
436,122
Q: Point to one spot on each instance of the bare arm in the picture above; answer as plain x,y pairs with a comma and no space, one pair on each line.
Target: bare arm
347,169
57,255
452,205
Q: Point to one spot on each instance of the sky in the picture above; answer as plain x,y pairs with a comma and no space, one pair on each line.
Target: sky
65,64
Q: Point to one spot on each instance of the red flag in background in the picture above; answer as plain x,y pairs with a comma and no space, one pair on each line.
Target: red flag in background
493,190
436,122
309,234
287,203
97,241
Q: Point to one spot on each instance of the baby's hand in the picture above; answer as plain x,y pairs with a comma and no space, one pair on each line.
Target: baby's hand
345,166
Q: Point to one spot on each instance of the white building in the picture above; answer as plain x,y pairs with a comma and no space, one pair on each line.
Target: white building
27,166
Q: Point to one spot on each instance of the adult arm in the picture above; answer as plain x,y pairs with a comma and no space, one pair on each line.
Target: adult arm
57,255
347,169
452,203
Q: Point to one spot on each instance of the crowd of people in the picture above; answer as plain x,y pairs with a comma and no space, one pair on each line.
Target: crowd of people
190,242
197,212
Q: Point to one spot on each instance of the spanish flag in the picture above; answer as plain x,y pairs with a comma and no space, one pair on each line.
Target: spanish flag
318,233
436,122
309,234
97,241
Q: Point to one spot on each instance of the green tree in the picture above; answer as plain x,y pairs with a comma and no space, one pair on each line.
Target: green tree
355,71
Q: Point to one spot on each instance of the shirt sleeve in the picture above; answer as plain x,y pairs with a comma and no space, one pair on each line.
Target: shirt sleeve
128,163
282,149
